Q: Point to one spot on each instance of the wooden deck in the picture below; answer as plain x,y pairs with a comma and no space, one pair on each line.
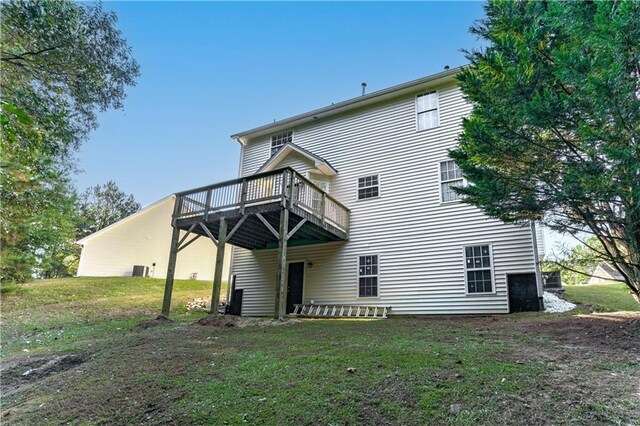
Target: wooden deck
274,209
253,205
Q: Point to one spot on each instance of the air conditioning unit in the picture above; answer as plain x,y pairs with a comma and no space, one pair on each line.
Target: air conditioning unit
140,271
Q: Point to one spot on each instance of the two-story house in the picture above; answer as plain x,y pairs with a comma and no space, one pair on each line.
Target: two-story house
352,205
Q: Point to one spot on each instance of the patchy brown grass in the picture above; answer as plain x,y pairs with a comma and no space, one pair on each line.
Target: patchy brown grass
533,369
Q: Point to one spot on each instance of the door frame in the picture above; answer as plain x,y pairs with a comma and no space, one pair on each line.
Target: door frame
506,284
304,277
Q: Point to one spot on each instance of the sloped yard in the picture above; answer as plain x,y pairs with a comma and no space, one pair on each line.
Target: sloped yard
519,369
603,297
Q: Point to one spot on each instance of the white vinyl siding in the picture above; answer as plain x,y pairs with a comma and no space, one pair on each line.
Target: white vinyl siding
419,239
450,177
296,161
427,111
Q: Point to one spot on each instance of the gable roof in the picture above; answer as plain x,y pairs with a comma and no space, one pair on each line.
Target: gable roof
140,212
360,101
610,271
321,164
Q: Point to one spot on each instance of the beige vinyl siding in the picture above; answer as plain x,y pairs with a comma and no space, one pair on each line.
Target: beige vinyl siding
419,240
143,239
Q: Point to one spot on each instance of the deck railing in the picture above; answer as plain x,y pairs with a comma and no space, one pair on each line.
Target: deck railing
283,185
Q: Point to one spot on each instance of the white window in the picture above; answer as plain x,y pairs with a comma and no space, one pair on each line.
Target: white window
450,176
478,269
368,276
321,184
277,141
368,187
317,197
427,114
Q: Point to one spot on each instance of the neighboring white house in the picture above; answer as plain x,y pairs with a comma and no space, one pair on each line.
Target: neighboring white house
371,213
605,273
143,238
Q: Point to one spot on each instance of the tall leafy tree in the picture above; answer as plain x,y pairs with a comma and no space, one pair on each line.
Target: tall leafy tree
102,205
555,131
62,62
579,263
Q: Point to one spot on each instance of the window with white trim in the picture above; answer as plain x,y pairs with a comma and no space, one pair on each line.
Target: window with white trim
368,187
478,269
368,276
450,177
277,141
317,197
427,114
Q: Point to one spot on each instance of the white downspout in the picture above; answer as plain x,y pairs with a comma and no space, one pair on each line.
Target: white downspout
536,259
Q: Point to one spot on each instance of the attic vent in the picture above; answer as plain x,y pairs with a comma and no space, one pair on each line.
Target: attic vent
277,141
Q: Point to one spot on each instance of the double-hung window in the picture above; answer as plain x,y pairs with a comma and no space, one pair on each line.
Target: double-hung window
427,113
317,197
368,187
368,275
277,141
450,176
479,269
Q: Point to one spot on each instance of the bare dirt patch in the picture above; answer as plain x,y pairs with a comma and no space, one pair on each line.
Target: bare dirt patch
614,330
218,321
23,371
159,320
224,321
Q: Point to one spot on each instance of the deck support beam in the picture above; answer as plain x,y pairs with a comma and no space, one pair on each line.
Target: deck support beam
294,230
209,234
268,225
217,276
188,243
171,270
281,295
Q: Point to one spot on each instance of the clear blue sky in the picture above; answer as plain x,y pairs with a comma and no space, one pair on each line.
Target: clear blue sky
213,69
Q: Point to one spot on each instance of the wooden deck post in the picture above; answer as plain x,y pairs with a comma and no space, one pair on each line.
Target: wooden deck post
171,270
281,295
217,276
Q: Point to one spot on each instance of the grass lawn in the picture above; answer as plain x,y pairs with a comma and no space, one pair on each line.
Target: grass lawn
578,368
69,313
603,297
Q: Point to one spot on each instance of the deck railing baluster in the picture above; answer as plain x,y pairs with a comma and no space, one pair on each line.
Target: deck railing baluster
284,185
208,204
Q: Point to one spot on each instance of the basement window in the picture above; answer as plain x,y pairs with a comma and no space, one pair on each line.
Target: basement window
479,269
278,141
427,111
368,187
368,276
450,177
